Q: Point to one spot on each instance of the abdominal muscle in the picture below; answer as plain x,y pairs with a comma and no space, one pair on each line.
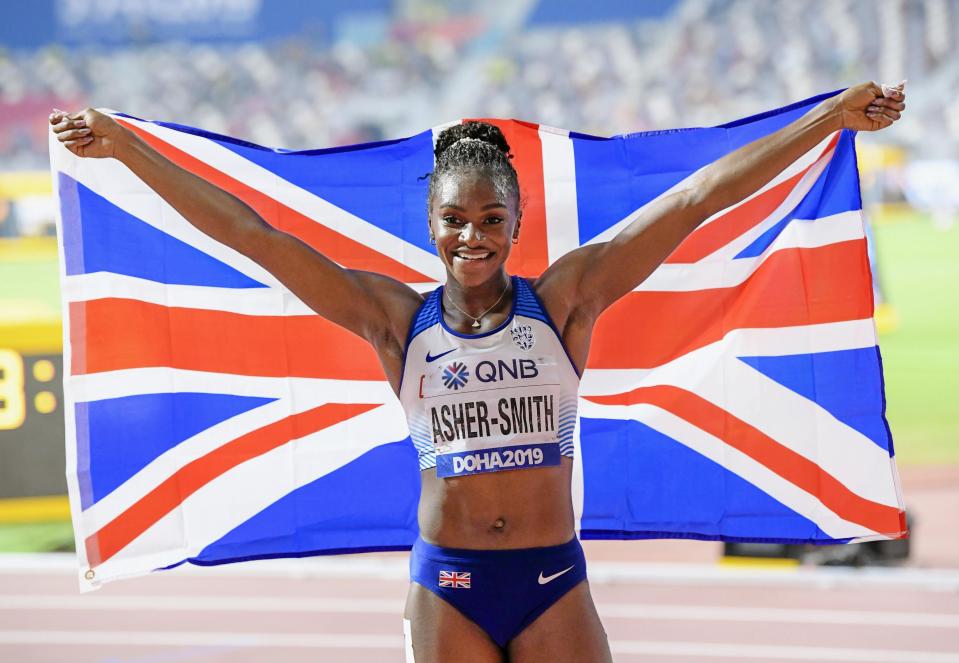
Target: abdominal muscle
525,508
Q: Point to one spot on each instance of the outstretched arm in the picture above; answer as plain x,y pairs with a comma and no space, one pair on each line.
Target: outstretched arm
362,302
590,279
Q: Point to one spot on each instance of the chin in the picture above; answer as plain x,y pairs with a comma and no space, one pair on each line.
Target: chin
472,275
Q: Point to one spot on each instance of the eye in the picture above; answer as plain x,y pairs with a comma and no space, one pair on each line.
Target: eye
451,220
494,219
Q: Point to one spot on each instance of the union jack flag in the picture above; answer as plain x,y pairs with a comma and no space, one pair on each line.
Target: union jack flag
737,394
455,579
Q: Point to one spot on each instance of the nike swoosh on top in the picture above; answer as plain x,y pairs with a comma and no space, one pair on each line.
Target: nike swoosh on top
430,357
545,579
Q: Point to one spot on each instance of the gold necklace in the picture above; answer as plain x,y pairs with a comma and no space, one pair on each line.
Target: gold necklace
476,320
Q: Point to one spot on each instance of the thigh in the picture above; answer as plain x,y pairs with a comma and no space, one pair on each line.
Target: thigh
441,633
569,630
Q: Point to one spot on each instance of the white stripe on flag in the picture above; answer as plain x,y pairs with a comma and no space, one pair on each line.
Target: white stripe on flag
562,236
773,341
162,379
276,301
803,426
248,489
711,273
735,461
112,180
559,192
789,203
792,420
796,167
303,394
60,157
301,200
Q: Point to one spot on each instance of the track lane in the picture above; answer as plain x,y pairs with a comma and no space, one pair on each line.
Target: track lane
350,609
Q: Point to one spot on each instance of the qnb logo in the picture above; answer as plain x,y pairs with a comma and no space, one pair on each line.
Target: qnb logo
517,369
455,375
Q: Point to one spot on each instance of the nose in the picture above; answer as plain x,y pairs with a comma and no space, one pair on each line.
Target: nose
470,233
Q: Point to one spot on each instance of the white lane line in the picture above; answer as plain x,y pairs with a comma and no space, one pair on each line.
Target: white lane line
204,639
396,567
334,605
201,604
782,615
933,580
367,641
778,652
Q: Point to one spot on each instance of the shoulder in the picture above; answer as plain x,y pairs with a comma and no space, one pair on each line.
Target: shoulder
558,288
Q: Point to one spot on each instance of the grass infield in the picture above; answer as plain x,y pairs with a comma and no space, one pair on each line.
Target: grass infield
919,268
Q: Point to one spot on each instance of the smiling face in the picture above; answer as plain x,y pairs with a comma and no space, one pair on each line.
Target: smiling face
474,223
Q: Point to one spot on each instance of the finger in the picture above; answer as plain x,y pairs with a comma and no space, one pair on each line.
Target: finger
884,109
889,103
883,114
63,125
57,116
67,124
73,134
86,140
881,120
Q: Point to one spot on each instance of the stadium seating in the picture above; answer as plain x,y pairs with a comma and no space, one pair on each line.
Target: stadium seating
704,63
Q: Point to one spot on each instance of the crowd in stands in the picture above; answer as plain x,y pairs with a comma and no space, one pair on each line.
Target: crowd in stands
715,61
710,62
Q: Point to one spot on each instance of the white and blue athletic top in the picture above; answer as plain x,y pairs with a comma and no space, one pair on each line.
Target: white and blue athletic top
501,400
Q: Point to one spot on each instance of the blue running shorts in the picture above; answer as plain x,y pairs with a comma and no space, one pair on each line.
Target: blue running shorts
502,591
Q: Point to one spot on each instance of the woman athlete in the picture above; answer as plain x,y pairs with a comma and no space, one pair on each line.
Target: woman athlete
487,366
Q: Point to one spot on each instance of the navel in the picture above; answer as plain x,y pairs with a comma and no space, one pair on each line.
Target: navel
499,524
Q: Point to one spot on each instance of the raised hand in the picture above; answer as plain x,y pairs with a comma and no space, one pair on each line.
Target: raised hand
870,106
87,133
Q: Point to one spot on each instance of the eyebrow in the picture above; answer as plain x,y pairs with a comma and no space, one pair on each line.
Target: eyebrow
484,208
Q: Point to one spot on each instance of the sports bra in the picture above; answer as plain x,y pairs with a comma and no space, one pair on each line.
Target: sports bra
504,399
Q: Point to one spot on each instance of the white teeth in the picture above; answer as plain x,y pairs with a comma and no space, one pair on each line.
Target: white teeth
471,256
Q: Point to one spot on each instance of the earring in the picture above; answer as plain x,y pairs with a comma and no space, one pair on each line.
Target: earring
432,240
516,239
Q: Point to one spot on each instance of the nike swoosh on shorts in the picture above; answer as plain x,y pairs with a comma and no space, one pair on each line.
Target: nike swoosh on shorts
430,358
545,579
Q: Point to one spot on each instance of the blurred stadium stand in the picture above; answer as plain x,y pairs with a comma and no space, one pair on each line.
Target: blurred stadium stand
306,75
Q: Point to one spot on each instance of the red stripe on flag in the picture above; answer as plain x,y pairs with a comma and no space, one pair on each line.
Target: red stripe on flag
167,496
721,231
782,460
127,333
530,257
335,246
792,287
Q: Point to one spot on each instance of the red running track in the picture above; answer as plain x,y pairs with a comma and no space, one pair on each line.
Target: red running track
349,609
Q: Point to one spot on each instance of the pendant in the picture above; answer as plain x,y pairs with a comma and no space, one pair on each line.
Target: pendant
476,323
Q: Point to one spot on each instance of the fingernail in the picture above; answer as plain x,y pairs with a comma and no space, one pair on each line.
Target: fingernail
84,132
79,123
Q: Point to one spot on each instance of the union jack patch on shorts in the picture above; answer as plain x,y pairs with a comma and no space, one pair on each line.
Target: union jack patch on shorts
455,579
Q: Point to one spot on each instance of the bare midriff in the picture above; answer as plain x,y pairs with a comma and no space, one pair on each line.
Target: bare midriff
527,508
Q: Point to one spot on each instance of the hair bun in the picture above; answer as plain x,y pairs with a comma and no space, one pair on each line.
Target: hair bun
483,131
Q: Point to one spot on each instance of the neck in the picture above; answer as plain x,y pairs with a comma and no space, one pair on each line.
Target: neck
477,298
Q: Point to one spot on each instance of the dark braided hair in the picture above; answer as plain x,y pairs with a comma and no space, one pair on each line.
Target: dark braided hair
472,147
